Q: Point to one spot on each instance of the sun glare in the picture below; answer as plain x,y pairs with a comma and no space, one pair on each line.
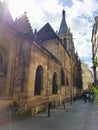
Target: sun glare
17,7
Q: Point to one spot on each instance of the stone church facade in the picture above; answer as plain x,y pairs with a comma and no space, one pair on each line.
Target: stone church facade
36,68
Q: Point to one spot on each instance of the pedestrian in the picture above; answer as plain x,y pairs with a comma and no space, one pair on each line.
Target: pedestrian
88,96
84,97
91,97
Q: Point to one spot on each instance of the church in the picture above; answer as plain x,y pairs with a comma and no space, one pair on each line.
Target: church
37,67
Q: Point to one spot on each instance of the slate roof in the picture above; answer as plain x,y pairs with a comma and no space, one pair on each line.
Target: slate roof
63,26
46,33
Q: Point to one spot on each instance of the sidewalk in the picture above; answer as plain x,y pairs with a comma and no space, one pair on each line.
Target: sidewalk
78,116
5,113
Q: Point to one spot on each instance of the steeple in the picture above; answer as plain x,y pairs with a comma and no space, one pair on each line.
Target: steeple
63,26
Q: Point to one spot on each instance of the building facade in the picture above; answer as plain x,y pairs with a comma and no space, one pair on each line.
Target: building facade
87,76
36,68
94,41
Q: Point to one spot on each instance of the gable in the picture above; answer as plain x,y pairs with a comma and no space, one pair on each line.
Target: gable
46,33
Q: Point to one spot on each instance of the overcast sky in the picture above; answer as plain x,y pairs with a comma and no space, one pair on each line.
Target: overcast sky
79,16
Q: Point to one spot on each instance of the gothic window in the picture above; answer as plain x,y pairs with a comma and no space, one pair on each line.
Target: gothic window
38,81
62,78
54,84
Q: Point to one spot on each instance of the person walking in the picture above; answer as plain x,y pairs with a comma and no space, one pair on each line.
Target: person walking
84,97
88,96
91,97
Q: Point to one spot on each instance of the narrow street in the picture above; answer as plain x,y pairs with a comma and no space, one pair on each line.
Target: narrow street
78,116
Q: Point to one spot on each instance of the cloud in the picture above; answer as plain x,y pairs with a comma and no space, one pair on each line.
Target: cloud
84,7
79,16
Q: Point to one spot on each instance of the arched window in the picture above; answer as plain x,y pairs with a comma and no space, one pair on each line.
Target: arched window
38,81
62,77
54,84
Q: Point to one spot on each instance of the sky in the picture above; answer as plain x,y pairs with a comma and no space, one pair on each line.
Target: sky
79,17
